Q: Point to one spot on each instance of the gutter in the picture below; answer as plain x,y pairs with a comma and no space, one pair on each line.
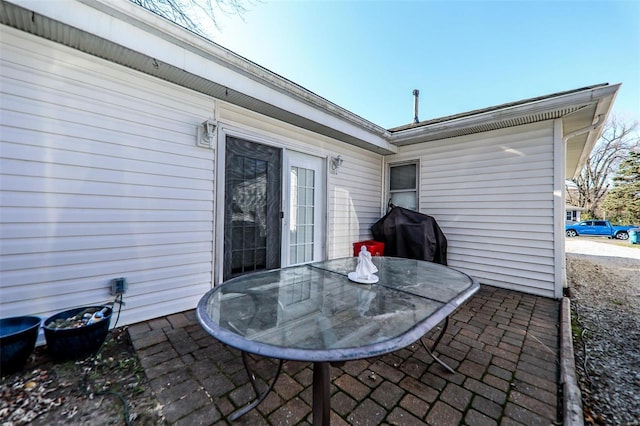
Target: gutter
109,29
210,50
538,110
586,129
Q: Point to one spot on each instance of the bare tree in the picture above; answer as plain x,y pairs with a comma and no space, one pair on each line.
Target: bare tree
589,188
195,15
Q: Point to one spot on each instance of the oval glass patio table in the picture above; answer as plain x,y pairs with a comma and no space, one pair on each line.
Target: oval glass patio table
314,313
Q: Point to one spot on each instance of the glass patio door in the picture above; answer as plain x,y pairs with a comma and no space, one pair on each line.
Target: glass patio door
304,241
252,215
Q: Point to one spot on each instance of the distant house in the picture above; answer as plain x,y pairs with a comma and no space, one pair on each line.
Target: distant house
133,148
573,213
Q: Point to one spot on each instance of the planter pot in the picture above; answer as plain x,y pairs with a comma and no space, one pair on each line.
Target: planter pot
18,337
78,342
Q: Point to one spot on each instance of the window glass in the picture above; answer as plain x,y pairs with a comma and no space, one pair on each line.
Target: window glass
302,209
404,199
403,177
403,185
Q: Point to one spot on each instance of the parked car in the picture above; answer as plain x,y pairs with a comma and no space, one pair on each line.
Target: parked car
598,228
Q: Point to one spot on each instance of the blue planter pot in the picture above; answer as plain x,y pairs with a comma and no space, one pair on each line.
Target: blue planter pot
76,343
18,337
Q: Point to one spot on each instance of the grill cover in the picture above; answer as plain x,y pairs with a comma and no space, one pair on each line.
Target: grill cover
407,233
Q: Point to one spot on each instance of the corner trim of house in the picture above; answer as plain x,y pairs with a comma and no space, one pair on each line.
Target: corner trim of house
559,213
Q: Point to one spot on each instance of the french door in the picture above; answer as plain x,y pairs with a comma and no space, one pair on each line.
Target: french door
253,207
260,230
304,241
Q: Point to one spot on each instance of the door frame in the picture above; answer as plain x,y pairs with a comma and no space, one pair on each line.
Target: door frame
217,235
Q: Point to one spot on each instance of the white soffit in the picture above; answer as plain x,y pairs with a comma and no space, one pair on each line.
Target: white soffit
588,100
471,125
124,33
578,109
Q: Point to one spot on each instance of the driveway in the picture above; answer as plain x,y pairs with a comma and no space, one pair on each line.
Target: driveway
599,246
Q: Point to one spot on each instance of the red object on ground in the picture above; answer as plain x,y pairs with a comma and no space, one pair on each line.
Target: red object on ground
376,248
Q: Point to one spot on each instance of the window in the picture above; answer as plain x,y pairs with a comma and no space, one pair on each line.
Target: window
403,185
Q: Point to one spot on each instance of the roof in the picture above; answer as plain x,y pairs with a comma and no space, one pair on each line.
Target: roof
491,109
127,34
578,109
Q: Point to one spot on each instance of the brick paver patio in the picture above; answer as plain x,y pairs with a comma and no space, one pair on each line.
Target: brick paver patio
503,345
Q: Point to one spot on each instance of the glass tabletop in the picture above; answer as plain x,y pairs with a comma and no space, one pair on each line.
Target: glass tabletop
314,312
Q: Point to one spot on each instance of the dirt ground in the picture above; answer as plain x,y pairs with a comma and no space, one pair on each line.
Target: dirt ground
604,279
111,388
104,389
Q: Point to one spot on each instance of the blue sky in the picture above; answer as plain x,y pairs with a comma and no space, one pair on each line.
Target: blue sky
368,56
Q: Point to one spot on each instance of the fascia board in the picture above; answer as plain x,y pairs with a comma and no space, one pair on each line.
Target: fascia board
586,97
129,25
605,104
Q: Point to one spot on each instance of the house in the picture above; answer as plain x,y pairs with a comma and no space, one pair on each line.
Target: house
572,213
133,148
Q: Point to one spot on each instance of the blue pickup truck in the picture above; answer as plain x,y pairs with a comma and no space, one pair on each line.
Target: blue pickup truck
598,228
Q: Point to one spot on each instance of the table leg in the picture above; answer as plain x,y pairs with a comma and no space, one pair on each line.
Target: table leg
321,397
431,349
259,396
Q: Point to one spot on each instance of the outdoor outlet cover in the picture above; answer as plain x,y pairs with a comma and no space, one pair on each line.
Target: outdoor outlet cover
118,286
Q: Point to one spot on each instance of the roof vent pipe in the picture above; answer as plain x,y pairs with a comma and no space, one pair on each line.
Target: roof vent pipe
416,95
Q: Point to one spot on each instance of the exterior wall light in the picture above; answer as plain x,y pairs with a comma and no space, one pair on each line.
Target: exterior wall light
206,133
334,164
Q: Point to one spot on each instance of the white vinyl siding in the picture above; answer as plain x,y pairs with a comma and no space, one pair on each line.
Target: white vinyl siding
355,196
101,179
493,196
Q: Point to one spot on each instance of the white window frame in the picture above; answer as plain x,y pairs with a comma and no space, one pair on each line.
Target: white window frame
416,190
